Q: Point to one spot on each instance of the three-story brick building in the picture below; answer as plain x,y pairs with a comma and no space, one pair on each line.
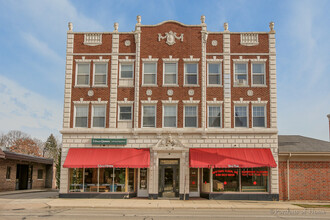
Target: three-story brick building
170,110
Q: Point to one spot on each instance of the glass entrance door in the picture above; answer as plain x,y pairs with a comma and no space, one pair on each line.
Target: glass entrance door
168,178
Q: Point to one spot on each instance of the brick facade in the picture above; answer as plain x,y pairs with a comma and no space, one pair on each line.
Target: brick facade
309,180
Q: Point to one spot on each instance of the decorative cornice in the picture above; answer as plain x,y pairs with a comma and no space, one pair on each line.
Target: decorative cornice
214,102
241,59
259,102
191,59
190,101
241,101
83,60
258,59
170,101
249,39
214,60
81,102
101,60
125,102
93,39
149,101
168,21
126,60
149,59
99,102
170,59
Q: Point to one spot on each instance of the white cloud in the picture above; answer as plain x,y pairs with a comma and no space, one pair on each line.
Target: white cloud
22,109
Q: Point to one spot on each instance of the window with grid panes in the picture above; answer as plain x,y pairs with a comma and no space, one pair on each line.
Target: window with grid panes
190,116
82,74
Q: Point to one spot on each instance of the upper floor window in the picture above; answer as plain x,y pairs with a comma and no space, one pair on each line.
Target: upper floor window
99,116
191,73
149,116
241,73
82,74
81,116
125,113
100,73
214,118
170,73
258,74
190,116
259,118
126,70
149,73
241,116
214,73
169,116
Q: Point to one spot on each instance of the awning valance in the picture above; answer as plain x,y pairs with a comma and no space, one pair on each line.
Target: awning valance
101,157
231,157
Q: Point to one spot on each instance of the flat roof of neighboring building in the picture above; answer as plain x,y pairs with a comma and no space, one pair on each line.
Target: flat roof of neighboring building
301,144
28,158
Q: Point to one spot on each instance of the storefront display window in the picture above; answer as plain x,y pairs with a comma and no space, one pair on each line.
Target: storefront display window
193,183
143,178
76,180
131,178
225,179
254,179
120,174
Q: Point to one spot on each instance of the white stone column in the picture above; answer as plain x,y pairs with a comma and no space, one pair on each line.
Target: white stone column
203,74
68,77
272,80
64,171
137,36
114,78
226,81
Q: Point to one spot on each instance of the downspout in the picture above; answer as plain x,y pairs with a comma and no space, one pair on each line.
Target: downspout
288,175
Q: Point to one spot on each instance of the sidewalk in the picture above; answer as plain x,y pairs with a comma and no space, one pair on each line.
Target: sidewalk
25,191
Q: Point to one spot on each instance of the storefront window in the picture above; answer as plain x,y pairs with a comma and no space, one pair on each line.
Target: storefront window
120,174
90,180
193,183
76,180
143,178
225,179
206,186
105,180
254,179
131,178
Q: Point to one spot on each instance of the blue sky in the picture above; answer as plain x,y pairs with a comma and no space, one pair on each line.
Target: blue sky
33,43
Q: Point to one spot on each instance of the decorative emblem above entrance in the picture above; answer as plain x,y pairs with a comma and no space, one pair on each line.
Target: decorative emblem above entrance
170,37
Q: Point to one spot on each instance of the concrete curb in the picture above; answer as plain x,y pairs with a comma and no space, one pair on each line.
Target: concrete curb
24,191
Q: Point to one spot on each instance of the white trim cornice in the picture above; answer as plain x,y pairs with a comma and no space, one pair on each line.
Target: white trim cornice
258,59
259,101
83,60
170,59
191,59
127,60
100,60
170,101
125,102
150,59
81,101
241,101
214,59
190,101
149,101
214,101
99,102
241,59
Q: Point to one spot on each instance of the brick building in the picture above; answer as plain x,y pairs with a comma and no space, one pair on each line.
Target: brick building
20,171
170,110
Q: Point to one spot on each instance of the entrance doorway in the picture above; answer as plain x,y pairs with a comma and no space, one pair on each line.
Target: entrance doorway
24,176
169,178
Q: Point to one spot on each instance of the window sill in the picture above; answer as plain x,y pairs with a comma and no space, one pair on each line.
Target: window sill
8,180
241,85
170,85
130,120
260,86
40,179
215,85
82,86
188,85
125,86
100,86
151,85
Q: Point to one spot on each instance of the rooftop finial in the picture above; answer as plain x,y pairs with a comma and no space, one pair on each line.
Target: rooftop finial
271,26
70,25
116,25
203,19
138,19
225,26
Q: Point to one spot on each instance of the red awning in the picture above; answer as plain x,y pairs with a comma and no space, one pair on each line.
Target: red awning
231,157
101,157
